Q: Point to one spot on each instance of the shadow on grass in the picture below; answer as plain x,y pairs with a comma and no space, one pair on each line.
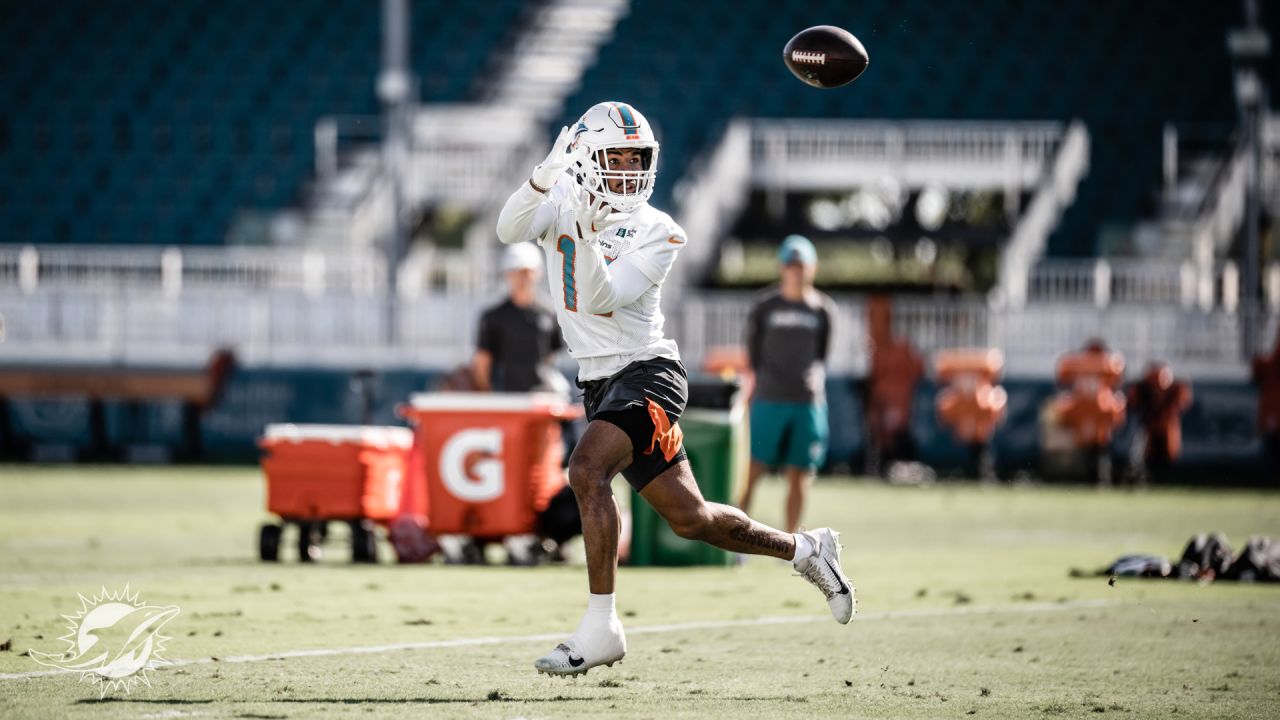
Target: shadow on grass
432,700
144,701
491,697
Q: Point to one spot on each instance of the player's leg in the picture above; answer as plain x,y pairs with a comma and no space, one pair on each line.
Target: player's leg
798,481
755,471
766,443
806,451
676,497
816,555
601,453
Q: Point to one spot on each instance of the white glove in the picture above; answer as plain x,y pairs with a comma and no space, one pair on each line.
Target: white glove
595,217
558,160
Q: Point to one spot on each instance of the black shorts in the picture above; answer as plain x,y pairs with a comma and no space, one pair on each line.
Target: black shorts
645,399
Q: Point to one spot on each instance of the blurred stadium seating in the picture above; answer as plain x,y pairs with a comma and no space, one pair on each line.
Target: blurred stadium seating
155,122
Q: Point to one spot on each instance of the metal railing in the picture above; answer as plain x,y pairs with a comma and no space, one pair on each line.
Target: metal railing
1223,210
1201,344
712,195
1105,281
1055,191
794,153
1108,281
173,269
264,328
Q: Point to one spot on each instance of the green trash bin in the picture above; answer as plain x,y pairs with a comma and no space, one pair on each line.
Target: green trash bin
715,439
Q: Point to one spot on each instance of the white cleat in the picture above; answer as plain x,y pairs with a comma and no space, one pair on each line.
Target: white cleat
822,570
575,656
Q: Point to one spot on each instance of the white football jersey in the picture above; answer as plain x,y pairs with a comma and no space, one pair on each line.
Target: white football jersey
649,239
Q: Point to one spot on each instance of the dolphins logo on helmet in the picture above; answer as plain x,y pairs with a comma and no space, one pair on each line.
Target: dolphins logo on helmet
613,126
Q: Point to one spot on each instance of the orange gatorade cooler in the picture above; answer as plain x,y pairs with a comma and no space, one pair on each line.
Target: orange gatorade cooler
317,472
490,461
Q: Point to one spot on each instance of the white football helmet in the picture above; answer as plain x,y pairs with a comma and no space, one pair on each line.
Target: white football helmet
608,126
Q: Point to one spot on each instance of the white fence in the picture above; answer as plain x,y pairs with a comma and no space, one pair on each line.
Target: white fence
151,306
173,270
291,328
824,154
1104,282
1204,344
264,328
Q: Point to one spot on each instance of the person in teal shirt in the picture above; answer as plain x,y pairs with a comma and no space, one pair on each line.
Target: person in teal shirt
788,336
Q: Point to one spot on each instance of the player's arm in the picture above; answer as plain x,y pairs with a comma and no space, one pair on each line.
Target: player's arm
755,349
530,210
487,346
755,336
604,287
481,370
526,216
824,328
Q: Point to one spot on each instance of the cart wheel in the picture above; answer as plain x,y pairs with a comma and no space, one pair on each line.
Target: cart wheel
521,558
364,542
269,542
462,550
473,553
310,535
522,551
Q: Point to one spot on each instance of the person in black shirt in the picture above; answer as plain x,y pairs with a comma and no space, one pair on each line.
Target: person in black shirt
518,336
788,335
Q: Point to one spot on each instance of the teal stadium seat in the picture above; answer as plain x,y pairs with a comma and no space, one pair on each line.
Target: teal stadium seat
124,114
152,121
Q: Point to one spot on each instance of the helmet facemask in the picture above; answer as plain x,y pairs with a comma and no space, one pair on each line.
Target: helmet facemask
634,186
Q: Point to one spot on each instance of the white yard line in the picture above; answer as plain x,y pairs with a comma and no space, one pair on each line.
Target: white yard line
642,630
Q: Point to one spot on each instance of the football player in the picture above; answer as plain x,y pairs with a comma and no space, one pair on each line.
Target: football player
607,253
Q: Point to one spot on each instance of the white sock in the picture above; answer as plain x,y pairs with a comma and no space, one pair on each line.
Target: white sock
596,623
601,605
599,633
804,547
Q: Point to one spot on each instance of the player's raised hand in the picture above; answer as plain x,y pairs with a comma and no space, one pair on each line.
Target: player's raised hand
594,216
558,160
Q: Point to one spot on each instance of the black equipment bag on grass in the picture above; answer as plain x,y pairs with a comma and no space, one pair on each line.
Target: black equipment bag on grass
1207,556
1258,561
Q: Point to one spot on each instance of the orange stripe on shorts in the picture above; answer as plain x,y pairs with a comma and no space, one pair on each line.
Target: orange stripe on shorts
665,435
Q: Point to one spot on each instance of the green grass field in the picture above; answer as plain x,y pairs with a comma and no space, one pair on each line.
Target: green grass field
966,610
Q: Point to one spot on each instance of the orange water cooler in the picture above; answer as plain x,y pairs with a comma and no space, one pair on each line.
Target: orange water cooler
1091,408
320,473
970,404
485,464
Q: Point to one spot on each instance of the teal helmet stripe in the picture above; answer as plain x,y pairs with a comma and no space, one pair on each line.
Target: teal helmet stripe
628,119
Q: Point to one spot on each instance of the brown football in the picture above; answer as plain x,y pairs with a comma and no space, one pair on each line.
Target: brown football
825,56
